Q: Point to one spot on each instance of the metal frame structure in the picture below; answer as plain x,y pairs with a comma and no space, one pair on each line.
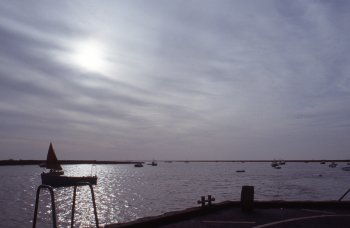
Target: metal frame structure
53,205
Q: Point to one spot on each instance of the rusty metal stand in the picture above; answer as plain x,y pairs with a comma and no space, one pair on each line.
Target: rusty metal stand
53,206
93,202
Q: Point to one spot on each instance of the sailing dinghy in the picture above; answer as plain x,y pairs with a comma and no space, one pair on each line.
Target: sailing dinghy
56,178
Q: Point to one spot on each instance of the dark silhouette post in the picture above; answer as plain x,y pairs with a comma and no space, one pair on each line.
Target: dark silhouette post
203,200
247,198
53,206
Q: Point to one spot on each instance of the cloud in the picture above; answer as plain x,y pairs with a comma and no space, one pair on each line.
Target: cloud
184,78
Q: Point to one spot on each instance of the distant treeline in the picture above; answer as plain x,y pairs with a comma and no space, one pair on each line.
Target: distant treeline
72,162
64,162
294,160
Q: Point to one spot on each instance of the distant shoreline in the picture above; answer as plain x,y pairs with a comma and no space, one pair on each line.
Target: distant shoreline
75,162
63,162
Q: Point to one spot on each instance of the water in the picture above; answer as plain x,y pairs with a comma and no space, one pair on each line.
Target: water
125,193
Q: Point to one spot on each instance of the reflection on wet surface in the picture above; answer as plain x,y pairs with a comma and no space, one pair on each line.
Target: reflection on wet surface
124,193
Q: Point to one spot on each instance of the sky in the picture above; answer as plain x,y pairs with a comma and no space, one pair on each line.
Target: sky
179,79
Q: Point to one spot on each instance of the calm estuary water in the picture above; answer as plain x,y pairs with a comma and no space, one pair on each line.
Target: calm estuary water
125,193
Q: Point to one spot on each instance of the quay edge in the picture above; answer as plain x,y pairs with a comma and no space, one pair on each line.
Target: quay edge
229,214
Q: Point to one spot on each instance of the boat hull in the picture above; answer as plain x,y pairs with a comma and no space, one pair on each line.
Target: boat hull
65,181
346,168
139,164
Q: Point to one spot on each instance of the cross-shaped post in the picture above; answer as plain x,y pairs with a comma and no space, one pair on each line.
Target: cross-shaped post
210,199
203,200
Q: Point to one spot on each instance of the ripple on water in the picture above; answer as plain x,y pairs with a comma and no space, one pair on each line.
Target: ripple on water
126,193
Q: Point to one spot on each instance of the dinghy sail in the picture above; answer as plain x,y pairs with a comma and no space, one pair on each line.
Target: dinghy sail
55,177
52,161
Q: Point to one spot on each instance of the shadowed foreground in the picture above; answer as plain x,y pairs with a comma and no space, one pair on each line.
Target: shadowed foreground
265,214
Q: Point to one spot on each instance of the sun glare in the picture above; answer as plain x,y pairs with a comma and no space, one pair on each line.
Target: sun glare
90,56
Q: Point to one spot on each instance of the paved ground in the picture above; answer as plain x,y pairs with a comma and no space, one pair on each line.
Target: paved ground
268,218
265,214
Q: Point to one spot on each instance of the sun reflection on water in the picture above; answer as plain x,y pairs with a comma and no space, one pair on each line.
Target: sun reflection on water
124,193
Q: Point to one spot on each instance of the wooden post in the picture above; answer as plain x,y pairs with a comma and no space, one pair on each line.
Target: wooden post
247,198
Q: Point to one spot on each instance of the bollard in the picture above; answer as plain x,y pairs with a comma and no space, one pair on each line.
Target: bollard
203,201
210,200
247,198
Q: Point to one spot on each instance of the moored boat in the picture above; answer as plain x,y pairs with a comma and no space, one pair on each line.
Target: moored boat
56,178
282,162
347,168
154,163
65,181
274,164
138,165
333,165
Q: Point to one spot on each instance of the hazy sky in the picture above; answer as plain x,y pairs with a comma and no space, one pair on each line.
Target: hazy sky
175,79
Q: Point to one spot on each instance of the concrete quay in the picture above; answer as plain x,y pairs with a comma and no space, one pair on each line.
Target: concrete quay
274,214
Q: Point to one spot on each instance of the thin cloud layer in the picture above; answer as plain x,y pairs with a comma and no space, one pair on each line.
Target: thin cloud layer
175,80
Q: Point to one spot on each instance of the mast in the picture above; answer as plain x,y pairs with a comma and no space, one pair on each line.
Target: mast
51,160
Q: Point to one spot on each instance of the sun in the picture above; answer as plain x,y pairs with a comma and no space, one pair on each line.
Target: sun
89,56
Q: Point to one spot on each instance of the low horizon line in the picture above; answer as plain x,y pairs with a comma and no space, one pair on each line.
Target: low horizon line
92,161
